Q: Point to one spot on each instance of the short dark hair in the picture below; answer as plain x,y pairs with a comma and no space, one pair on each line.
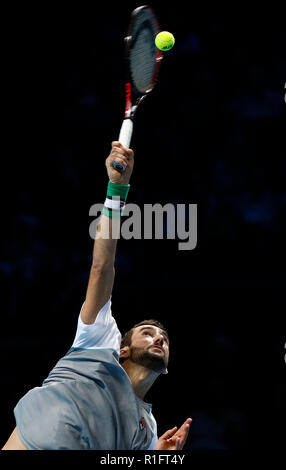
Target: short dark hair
126,339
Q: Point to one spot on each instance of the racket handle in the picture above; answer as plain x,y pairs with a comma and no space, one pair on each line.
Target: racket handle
124,138
126,132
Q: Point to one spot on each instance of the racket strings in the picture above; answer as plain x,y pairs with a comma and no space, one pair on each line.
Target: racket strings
143,53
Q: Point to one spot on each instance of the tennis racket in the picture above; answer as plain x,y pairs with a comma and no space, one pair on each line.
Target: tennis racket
142,67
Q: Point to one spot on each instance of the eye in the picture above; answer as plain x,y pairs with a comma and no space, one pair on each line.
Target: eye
147,333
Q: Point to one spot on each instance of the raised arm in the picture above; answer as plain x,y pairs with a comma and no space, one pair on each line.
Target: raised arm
102,270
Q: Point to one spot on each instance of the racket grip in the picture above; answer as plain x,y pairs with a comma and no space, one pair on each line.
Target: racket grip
124,138
126,132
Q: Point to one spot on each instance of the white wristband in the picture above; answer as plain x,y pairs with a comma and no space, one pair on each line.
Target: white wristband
115,203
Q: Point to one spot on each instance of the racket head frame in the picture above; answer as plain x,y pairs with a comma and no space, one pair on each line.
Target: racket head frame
133,96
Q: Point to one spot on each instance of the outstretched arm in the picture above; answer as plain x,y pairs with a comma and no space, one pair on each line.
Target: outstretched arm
174,439
102,270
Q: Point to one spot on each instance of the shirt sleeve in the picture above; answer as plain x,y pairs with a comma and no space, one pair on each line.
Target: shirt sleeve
102,334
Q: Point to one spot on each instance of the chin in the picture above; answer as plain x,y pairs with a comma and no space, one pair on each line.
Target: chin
154,361
149,359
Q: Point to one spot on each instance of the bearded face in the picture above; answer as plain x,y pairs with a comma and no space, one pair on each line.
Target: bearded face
147,358
149,348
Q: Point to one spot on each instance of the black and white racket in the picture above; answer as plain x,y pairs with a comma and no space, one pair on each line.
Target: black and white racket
142,66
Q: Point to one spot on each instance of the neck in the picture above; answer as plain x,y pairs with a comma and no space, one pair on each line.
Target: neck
141,378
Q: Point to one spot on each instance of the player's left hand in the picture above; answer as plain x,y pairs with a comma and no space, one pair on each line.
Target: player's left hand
174,439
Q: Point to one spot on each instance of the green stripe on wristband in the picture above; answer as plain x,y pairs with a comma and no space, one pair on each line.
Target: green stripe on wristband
120,190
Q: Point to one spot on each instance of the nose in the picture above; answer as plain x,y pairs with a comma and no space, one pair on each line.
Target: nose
159,339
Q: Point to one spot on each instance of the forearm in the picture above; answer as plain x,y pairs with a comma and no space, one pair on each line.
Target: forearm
105,242
102,271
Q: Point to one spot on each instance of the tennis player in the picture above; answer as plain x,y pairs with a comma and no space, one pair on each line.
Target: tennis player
93,399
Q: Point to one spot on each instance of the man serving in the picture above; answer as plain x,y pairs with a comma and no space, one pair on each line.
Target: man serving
93,399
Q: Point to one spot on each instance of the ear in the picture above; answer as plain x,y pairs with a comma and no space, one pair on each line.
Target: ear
165,372
124,352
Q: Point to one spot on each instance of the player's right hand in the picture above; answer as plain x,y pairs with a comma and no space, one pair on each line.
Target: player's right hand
123,155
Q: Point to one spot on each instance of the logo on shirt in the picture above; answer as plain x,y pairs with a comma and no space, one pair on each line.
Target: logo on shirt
142,424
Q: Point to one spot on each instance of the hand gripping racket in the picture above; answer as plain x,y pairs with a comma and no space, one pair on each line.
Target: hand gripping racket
142,67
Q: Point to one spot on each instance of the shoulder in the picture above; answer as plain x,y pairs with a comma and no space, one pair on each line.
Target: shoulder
103,333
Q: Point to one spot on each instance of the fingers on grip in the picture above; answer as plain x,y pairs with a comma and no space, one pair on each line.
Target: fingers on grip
118,147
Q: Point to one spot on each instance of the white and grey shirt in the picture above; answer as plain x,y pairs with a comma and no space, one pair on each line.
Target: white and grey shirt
87,402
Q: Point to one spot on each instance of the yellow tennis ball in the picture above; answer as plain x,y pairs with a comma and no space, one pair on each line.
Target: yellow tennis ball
164,41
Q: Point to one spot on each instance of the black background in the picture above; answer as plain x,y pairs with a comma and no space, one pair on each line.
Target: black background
213,134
